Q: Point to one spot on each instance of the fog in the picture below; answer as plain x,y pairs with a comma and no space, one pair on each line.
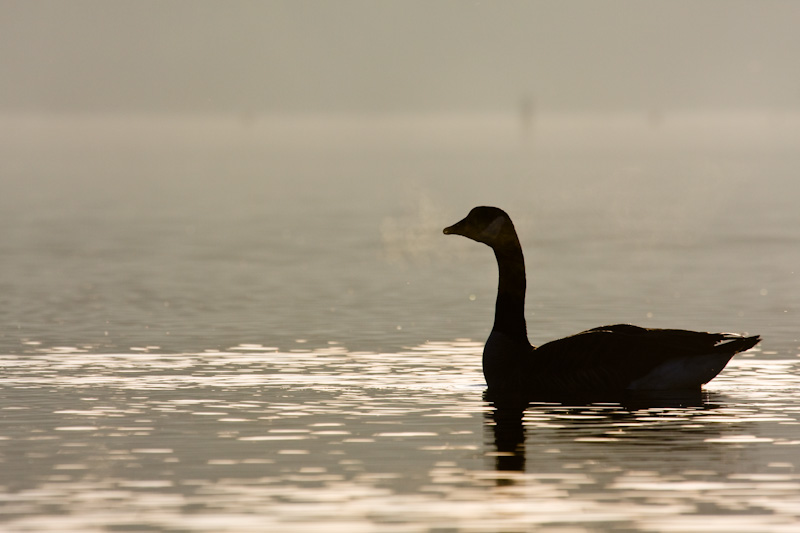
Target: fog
359,56
300,130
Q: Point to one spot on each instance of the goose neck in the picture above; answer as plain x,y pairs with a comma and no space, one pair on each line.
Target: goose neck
510,306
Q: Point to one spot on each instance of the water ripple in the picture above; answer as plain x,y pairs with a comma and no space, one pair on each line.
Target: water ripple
254,439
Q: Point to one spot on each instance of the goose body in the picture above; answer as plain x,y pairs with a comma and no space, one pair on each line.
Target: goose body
607,359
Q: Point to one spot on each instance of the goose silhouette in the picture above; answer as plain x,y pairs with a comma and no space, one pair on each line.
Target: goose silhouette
606,359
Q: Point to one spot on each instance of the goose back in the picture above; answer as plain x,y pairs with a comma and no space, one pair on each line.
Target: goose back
612,358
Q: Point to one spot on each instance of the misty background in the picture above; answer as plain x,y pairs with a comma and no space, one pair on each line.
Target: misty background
396,57
195,175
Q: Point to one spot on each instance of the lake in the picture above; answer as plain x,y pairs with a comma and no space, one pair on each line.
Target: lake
256,324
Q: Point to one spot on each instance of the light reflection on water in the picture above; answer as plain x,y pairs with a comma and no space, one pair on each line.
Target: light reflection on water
256,439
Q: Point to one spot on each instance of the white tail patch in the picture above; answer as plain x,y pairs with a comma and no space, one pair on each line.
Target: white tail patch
682,373
493,229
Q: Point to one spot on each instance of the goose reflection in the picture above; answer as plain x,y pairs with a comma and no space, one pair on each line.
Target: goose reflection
509,436
505,420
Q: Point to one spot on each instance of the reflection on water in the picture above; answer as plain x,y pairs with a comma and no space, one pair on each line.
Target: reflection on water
256,439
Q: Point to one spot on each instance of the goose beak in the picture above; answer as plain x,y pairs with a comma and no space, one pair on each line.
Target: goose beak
455,229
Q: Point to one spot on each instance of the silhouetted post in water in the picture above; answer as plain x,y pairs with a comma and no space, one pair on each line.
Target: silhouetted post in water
527,114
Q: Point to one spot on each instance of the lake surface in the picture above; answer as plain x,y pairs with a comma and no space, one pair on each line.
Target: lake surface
255,324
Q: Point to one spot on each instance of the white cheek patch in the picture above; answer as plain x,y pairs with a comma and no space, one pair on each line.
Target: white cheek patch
493,229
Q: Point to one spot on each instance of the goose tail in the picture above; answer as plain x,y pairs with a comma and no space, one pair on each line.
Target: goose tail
732,343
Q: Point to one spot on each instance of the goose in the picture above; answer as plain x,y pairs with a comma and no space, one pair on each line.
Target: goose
607,359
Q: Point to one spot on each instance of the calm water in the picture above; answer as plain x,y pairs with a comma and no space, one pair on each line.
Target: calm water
257,325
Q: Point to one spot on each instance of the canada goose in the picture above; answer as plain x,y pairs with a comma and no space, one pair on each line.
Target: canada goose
606,359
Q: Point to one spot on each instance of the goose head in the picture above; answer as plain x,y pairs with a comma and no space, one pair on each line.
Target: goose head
489,225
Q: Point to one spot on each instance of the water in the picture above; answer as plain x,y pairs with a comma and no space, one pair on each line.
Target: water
215,325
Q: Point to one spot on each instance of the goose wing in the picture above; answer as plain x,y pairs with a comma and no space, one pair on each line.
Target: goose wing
620,356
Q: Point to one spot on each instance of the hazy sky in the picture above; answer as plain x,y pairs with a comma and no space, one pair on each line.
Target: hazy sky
397,56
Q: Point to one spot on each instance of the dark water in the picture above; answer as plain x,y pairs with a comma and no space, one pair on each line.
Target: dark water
210,325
